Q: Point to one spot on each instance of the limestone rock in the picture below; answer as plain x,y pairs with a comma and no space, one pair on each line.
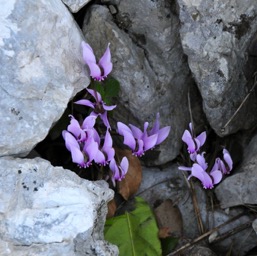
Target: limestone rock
255,225
149,64
41,69
240,188
75,5
219,40
48,210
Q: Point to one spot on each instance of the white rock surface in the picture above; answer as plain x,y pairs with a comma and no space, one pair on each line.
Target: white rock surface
75,5
47,210
41,69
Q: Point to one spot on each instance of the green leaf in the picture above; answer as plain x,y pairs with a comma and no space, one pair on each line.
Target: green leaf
135,233
111,88
99,87
168,244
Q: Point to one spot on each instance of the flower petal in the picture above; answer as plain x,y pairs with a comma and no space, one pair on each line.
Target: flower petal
105,61
199,173
88,54
150,142
105,120
108,108
137,133
124,165
163,134
89,122
228,160
187,138
74,127
97,96
87,103
202,138
217,176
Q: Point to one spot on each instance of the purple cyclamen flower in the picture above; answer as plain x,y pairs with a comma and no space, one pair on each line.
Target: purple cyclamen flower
225,165
140,141
83,157
107,152
119,171
99,107
193,143
81,132
198,170
98,71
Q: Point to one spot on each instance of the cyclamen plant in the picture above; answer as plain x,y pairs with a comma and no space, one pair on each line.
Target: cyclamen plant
87,144
199,168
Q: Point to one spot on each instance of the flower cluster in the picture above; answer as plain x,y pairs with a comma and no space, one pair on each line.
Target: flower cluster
87,145
199,168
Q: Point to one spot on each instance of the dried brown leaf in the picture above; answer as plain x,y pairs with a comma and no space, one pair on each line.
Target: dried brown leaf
111,208
164,232
130,184
169,217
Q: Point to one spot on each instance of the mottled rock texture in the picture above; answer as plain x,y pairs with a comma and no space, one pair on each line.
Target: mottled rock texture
149,64
48,210
41,69
219,37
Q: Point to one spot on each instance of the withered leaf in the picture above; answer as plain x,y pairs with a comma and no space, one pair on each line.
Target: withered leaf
130,184
111,208
169,216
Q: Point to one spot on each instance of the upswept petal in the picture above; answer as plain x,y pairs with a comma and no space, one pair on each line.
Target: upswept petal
87,103
124,165
137,133
88,54
91,149
187,138
140,148
228,160
108,108
100,158
89,122
97,96
73,146
107,147
199,173
122,127
223,167
75,129
70,141
129,140
207,181
150,142
95,71
115,171
202,138
216,176
107,140
105,61
163,134
184,168
201,161
105,120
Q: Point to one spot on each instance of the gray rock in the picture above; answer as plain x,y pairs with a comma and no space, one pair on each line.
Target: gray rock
75,5
48,210
148,63
240,188
254,225
218,38
41,69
